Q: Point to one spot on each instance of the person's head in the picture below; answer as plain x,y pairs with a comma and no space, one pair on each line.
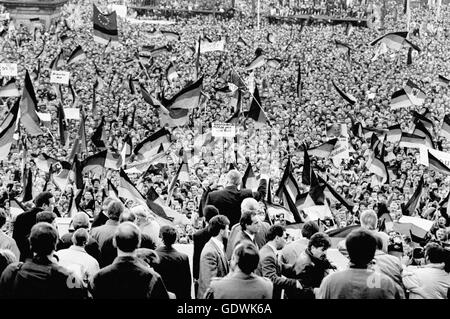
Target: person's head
148,256
127,216
219,226
369,220
80,237
209,212
3,217
141,213
6,257
246,257
249,222
168,235
45,200
127,237
318,245
309,229
277,236
234,178
361,246
43,239
434,254
115,209
441,234
80,220
106,203
46,217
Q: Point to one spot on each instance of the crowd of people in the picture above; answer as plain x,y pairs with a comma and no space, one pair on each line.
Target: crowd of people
115,235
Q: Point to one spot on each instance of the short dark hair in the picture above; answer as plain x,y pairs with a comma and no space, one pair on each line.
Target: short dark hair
274,231
127,237
115,209
3,217
247,256
217,223
80,237
168,235
127,216
43,199
309,229
435,253
319,240
246,219
46,217
209,212
361,246
43,239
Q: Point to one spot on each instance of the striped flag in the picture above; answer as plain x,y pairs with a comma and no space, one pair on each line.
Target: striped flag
323,150
28,116
62,123
127,189
57,61
249,179
94,163
421,130
173,117
445,129
343,47
346,96
288,191
412,140
437,165
150,145
379,168
423,119
60,174
394,40
8,129
105,27
77,55
171,36
256,112
9,89
410,207
44,162
306,174
187,98
394,133
415,94
97,137
400,100
333,195
164,214
256,63
444,80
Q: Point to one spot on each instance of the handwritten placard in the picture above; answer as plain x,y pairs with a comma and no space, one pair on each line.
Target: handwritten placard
8,69
223,130
60,77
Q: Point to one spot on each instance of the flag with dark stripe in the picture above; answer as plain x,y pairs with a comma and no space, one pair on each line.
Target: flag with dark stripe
105,26
410,207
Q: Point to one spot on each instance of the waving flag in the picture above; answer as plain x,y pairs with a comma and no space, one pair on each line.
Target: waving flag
410,207
394,134
77,55
323,150
256,63
249,179
171,36
28,116
288,191
94,163
437,165
420,130
444,80
8,128
346,96
256,112
9,89
394,40
62,124
306,174
445,129
105,27
423,119
150,146
412,140
400,100
415,94
187,98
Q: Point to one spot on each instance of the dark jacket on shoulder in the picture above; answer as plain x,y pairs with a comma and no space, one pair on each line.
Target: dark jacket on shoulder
22,228
128,278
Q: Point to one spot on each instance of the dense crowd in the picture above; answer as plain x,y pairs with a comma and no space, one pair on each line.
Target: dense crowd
294,120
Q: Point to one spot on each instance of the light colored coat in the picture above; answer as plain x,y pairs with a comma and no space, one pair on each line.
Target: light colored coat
427,282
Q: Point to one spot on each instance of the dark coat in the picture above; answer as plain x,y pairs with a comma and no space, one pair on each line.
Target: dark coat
99,220
228,200
200,238
128,278
39,278
175,271
22,228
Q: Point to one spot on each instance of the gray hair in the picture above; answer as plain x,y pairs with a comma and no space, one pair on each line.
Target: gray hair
234,178
249,205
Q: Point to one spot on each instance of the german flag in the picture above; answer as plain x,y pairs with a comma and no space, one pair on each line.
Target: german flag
421,130
105,27
400,100
394,40
187,98
256,112
436,165
150,145
394,133
323,150
415,94
9,89
256,63
445,129
77,55
306,174
346,96
249,179
412,140
8,129
442,79
423,119
410,207
28,116
94,163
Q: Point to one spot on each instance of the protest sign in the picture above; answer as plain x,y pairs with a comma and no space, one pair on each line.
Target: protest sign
223,130
8,69
60,77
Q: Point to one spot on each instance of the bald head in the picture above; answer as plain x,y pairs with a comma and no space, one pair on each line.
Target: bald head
234,178
80,220
249,205
127,237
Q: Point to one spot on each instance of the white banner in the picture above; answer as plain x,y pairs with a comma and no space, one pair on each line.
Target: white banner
121,10
223,130
60,77
212,46
44,117
442,156
318,212
72,113
340,151
4,16
8,69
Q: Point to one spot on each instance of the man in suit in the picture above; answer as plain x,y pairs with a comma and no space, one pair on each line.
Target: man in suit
107,231
200,238
228,200
242,282
271,267
108,251
128,277
173,266
102,216
213,262
25,221
249,225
